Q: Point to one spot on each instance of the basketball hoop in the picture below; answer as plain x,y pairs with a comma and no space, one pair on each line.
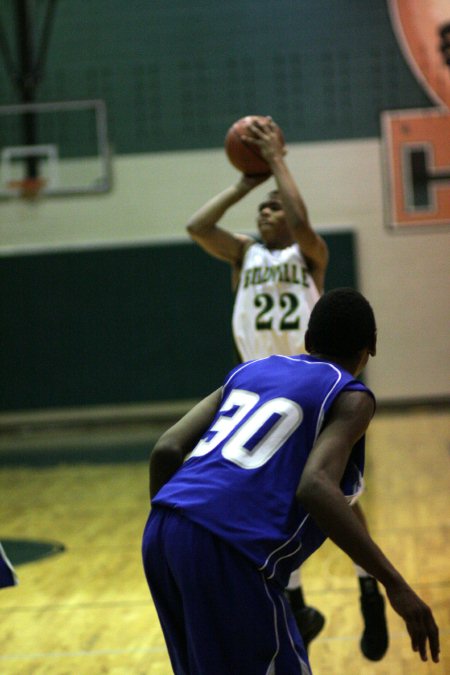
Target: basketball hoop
27,188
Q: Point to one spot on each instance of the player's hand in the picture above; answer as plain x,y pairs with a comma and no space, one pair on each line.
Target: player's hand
419,620
251,181
266,139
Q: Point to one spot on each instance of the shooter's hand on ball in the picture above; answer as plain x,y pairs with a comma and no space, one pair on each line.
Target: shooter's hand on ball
266,139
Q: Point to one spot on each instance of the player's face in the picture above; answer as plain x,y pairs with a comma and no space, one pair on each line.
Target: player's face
272,224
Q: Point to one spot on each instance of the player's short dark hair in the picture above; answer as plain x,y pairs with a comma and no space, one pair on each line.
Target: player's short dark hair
274,194
444,30
341,323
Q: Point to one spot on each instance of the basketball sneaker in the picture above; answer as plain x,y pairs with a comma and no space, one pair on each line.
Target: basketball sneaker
374,640
309,622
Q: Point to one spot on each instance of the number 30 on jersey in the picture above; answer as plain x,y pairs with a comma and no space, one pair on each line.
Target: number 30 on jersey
251,433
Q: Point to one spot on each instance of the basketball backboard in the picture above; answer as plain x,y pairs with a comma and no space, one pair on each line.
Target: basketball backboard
62,147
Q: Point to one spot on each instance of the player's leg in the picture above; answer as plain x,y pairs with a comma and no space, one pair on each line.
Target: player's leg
238,620
292,656
235,622
374,640
309,620
165,594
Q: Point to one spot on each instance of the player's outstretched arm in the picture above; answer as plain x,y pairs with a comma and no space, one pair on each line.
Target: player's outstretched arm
311,243
172,447
202,226
319,491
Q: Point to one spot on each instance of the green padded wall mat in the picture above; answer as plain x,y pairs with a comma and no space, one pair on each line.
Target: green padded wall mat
122,325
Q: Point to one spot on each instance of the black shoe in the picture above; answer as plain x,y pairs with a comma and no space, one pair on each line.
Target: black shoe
374,640
310,622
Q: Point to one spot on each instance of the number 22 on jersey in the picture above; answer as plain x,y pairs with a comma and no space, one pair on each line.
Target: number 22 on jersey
289,319
251,433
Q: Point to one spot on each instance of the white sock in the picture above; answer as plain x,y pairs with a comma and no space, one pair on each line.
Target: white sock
361,572
294,580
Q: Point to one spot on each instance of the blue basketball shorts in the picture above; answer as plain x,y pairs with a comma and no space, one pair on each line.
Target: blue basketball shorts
218,613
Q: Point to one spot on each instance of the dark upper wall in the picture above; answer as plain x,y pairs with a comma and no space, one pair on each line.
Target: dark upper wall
112,326
175,74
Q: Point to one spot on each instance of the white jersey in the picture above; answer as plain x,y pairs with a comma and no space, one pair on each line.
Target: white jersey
273,303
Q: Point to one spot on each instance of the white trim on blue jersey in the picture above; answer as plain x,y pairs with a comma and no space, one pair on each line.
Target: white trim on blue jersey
8,575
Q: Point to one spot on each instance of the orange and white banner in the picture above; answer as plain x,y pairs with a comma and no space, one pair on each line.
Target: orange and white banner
416,143
417,167
422,28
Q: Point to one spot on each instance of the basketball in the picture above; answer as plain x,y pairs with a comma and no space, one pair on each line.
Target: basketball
242,155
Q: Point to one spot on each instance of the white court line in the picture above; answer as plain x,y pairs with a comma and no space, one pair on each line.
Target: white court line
83,652
399,635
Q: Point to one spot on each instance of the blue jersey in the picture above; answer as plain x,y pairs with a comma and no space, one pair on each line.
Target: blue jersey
240,480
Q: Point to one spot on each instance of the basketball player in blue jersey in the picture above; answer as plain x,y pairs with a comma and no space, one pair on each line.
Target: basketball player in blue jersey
246,487
277,283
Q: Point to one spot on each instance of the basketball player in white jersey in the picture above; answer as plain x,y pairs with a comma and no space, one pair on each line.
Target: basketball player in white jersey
277,283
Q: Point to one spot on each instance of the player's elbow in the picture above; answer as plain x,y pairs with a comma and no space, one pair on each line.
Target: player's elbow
165,453
197,233
165,460
311,490
190,229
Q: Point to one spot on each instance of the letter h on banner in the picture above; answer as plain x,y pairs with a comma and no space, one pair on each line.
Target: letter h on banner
416,148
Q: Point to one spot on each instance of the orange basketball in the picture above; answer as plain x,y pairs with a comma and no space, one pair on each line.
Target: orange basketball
242,155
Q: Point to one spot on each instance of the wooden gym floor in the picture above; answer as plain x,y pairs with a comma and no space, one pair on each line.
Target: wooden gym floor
88,611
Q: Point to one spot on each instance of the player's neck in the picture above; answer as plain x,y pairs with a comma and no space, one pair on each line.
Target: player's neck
352,365
278,245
